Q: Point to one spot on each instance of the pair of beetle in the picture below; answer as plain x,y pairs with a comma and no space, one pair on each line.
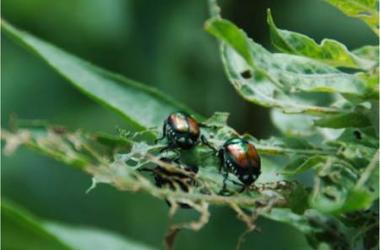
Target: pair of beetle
236,155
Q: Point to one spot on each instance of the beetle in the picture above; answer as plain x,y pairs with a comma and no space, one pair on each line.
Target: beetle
174,179
182,177
181,131
239,157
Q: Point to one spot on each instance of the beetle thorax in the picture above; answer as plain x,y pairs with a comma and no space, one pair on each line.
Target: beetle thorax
183,124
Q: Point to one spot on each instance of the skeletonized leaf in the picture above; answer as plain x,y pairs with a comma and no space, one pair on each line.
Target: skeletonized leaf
277,80
117,165
332,184
341,188
336,189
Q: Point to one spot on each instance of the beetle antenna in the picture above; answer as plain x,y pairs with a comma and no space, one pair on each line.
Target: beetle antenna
163,134
202,125
224,189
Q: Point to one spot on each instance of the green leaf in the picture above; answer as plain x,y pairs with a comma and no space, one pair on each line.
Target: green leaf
300,125
368,52
231,35
302,164
356,146
363,136
366,189
319,229
366,10
277,80
21,231
289,146
87,238
330,232
371,81
296,200
287,216
358,199
356,119
329,51
374,115
140,105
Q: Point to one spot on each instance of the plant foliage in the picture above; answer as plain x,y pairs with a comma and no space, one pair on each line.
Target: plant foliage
21,229
334,141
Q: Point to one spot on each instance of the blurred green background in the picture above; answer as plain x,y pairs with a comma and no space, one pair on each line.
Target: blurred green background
160,43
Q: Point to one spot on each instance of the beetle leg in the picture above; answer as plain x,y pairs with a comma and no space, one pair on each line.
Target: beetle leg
172,148
206,143
221,164
225,178
167,148
243,188
177,158
236,183
163,134
202,125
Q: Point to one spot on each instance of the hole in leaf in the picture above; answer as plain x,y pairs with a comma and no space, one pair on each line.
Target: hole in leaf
131,163
357,134
330,196
246,74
